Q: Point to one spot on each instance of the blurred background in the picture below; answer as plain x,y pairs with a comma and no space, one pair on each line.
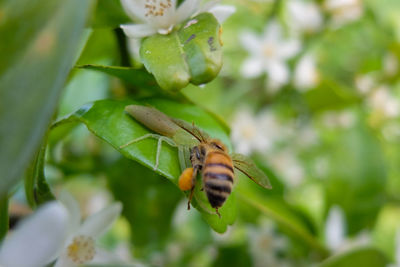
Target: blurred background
309,89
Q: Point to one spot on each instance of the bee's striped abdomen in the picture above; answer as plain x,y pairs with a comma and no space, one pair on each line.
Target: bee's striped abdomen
217,177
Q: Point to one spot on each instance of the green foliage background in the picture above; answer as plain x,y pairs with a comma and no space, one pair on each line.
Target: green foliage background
66,74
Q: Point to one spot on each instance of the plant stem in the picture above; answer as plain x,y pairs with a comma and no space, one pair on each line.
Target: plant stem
3,217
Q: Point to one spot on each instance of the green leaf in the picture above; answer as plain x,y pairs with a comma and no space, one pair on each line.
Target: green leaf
234,255
366,257
148,203
330,95
386,228
191,54
132,76
359,186
108,120
38,57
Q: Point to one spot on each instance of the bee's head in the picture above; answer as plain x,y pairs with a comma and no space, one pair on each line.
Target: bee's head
217,145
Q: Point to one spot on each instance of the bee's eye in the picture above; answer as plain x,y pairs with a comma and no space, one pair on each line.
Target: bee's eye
216,145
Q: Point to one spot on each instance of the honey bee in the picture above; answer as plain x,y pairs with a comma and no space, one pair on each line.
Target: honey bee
207,155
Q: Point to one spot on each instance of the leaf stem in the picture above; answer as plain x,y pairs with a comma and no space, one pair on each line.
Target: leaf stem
122,47
37,190
3,217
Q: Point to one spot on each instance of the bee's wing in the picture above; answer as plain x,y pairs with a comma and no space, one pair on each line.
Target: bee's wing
193,130
248,167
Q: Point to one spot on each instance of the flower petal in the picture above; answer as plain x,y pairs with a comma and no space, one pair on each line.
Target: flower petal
252,67
278,74
186,10
222,12
335,228
305,74
289,48
250,42
37,239
134,9
73,209
205,7
134,48
138,30
64,261
98,223
272,32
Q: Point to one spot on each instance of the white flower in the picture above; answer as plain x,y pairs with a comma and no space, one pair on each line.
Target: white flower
304,16
133,45
306,135
335,228
391,131
265,245
390,64
335,233
364,83
305,74
37,239
55,231
338,119
344,11
251,133
287,166
79,247
384,103
268,53
160,16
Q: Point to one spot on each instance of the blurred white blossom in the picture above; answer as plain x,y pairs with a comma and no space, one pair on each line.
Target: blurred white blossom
287,166
391,131
344,11
266,245
390,64
305,135
336,232
55,232
365,83
339,119
79,246
304,16
97,202
254,132
38,239
305,74
269,53
320,167
160,16
335,228
383,102
133,45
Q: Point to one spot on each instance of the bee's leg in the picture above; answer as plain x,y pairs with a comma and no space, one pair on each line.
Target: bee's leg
216,210
182,155
160,138
195,170
159,145
155,136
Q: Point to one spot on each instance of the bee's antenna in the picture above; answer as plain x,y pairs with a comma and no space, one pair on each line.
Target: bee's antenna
198,131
